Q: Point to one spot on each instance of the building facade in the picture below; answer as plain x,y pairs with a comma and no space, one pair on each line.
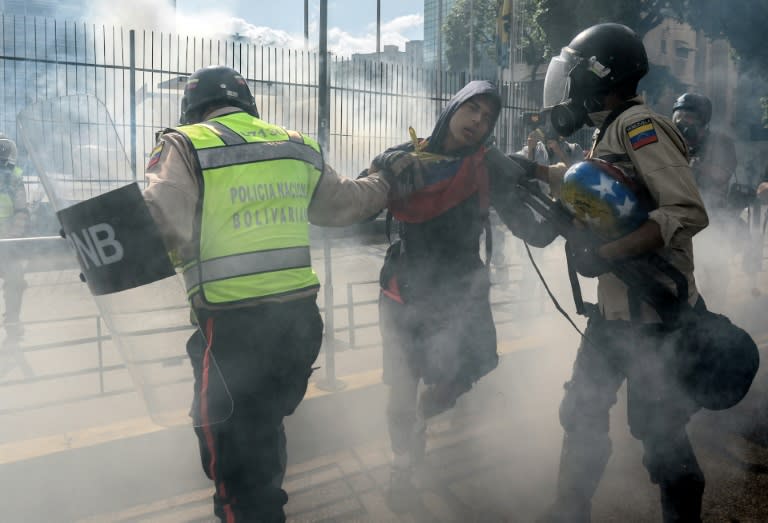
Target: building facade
701,65
435,13
413,54
62,9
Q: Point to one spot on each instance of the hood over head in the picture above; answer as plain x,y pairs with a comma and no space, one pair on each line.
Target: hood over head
472,89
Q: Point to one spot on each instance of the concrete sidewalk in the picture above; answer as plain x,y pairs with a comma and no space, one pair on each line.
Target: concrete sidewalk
493,458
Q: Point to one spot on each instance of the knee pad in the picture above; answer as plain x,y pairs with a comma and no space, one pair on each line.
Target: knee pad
575,416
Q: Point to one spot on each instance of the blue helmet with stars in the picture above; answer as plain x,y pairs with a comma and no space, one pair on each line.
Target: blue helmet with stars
605,199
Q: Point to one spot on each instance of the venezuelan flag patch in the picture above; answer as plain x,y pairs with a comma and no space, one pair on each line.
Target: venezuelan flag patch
641,133
154,156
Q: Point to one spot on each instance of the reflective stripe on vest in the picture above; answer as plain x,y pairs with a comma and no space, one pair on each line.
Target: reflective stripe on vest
253,230
245,264
246,153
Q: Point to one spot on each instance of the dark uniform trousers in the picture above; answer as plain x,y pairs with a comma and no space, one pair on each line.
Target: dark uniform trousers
658,413
449,342
264,355
12,274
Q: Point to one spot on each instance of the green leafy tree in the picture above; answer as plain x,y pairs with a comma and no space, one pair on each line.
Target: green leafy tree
532,41
560,20
456,31
742,23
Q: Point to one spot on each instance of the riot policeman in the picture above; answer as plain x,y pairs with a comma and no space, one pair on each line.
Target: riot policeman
713,161
14,220
233,196
594,82
713,154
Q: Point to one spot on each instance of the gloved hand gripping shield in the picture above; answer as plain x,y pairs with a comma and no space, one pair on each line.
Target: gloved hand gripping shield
77,152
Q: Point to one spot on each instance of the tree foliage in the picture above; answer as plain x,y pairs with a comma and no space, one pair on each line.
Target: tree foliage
457,28
561,20
741,23
532,41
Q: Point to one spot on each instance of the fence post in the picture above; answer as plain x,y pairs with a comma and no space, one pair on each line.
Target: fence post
324,116
132,82
351,314
101,354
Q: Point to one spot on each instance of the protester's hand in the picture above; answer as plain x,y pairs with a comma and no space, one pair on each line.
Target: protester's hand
586,260
403,171
762,192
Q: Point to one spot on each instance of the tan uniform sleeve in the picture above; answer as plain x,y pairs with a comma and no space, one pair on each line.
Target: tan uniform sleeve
663,167
340,201
172,192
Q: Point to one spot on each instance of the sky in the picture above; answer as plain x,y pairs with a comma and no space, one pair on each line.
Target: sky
351,23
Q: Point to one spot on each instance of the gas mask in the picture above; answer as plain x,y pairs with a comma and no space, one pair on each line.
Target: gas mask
691,133
690,126
568,108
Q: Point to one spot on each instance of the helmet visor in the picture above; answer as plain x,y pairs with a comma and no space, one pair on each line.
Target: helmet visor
557,82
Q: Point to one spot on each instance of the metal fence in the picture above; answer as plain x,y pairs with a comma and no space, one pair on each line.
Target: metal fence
140,76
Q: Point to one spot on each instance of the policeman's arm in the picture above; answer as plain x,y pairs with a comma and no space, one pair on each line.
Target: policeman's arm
662,167
340,201
645,238
172,191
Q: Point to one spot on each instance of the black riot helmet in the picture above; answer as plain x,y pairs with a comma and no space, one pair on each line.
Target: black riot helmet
599,60
215,85
694,103
8,152
691,114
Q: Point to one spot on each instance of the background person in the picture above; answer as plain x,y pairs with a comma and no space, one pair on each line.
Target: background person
713,162
14,221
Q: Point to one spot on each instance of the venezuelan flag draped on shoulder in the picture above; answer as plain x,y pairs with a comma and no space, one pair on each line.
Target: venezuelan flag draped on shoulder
453,179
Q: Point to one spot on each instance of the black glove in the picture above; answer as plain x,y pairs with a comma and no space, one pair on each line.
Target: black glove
586,261
403,171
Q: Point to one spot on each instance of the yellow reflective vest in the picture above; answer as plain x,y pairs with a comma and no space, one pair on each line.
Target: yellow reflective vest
8,195
252,229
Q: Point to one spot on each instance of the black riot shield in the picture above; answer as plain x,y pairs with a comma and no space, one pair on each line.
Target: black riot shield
78,154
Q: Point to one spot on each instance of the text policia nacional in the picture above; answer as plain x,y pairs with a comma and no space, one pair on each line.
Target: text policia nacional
260,192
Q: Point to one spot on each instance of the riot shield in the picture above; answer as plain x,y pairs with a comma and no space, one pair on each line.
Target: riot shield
77,152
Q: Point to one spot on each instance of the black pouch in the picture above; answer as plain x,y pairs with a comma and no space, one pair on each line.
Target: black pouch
716,359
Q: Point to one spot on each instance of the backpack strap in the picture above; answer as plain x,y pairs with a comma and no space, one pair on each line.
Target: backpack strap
484,199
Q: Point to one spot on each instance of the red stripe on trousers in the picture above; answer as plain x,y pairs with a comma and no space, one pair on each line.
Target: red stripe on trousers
205,417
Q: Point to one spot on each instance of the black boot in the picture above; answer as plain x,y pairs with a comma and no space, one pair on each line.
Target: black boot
681,500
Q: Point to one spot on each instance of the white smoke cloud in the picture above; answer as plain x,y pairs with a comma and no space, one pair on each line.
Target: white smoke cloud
221,24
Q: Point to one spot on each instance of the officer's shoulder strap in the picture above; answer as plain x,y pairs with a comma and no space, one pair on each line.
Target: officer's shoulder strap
167,130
